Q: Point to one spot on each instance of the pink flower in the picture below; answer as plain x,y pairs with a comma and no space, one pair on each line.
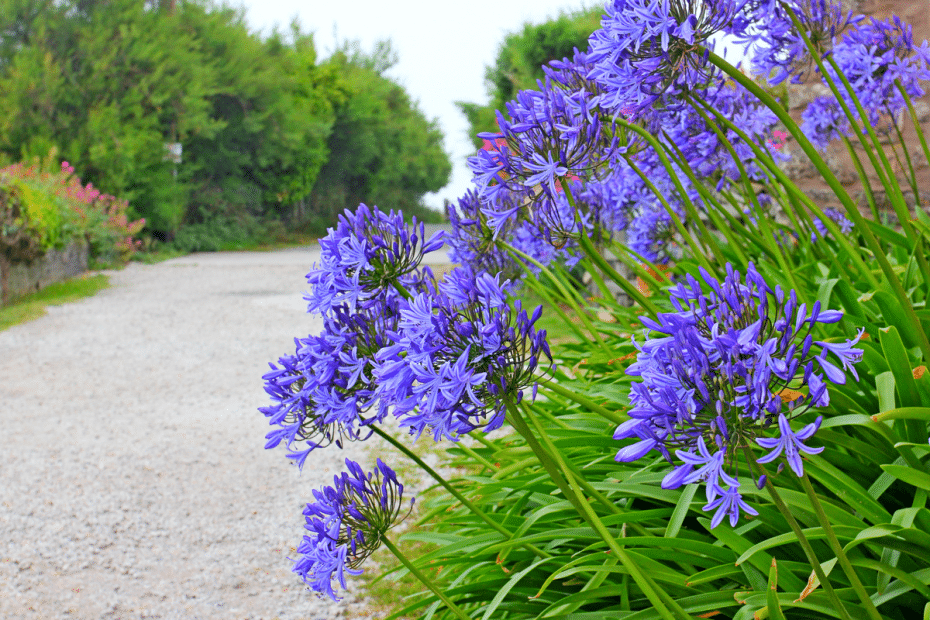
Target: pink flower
780,137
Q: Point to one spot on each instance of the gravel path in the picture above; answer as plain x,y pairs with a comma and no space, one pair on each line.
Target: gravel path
133,480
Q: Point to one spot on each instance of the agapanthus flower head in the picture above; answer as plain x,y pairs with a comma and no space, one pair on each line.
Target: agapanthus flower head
735,364
645,47
651,234
547,137
474,242
321,392
773,43
369,253
706,153
346,524
875,58
461,355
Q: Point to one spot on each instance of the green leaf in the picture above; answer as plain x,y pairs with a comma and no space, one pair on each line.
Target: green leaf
884,481
681,511
811,533
496,601
890,557
723,571
888,235
761,560
919,479
885,386
904,413
847,489
849,299
898,361
905,582
774,607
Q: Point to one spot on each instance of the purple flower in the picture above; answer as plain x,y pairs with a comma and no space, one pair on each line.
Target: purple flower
874,57
730,503
645,47
455,367
734,358
347,522
777,50
838,217
546,137
790,444
369,254
321,392
478,230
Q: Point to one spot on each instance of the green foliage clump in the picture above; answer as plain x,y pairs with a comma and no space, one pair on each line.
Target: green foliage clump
113,84
520,60
45,206
383,149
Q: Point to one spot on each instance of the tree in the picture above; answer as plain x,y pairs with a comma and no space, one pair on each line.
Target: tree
383,149
111,82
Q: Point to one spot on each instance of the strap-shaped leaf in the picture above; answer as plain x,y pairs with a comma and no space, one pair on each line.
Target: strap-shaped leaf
911,476
504,591
847,490
774,606
900,365
681,511
811,533
760,561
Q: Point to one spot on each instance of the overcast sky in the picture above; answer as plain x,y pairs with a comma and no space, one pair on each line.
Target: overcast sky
443,49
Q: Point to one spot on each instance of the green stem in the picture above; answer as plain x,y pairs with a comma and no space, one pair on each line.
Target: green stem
851,209
400,289
622,282
699,251
583,401
455,493
578,477
426,581
569,298
629,258
768,234
543,292
838,549
806,546
916,122
863,177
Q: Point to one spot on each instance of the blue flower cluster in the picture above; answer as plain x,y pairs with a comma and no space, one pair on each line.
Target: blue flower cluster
347,523
474,241
461,354
735,360
775,45
366,257
320,392
875,58
441,356
646,47
838,217
561,166
550,135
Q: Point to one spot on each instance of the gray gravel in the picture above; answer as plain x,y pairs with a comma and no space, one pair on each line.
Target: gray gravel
133,479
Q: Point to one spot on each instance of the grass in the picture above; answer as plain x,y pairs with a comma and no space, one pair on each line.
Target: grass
33,306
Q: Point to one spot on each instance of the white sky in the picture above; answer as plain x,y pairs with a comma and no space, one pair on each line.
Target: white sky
443,48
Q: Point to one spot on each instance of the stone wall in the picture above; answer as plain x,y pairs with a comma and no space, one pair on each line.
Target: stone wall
917,14
21,278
